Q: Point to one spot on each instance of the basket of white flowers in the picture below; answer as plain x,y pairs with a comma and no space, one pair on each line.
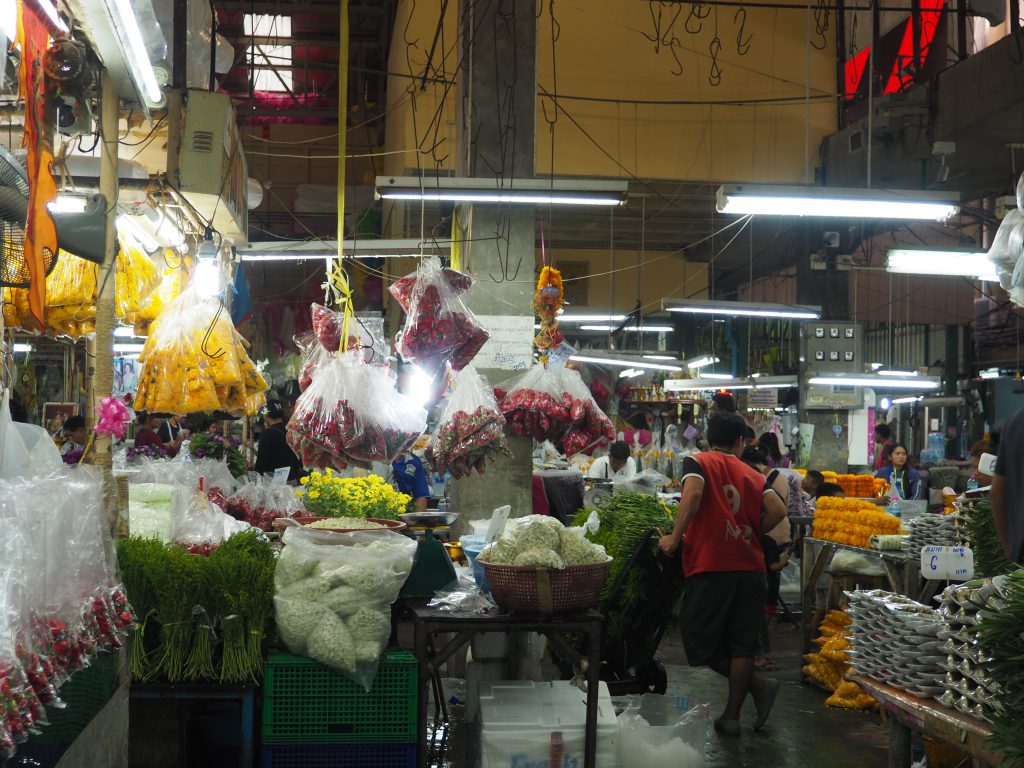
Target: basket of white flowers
541,567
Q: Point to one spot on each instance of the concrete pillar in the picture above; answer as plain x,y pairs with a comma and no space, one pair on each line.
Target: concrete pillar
829,289
497,117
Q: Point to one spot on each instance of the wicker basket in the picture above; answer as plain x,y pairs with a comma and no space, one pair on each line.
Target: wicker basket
542,590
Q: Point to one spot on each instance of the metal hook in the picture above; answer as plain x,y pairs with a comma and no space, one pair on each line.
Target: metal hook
209,332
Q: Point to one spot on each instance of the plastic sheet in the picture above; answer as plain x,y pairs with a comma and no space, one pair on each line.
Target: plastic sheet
333,594
655,733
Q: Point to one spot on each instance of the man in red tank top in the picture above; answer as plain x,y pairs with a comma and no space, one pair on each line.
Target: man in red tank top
723,509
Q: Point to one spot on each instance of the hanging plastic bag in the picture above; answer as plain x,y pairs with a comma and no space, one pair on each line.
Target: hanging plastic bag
470,431
195,361
439,328
548,403
198,522
352,413
655,732
333,594
457,282
136,278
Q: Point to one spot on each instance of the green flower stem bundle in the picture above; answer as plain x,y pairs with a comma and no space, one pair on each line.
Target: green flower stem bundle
1001,630
989,556
134,557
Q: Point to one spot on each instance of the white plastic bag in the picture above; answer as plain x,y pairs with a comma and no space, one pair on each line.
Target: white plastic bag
333,594
663,732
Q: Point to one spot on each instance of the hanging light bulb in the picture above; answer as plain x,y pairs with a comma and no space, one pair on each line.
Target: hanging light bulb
207,276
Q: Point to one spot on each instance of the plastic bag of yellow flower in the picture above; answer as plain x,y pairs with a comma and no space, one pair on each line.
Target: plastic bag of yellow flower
137,277
850,696
191,361
174,271
839,617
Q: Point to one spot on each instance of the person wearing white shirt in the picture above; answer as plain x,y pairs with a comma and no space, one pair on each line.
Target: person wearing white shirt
617,465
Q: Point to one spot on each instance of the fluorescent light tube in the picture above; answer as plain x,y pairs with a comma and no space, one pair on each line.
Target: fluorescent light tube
128,347
871,380
904,400
716,376
745,309
625,362
136,232
896,373
702,362
50,9
67,204
142,69
630,373
17,348
926,261
762,199
513,191
990,373
124,332
570,318
302,250
645,329
660,357
729,382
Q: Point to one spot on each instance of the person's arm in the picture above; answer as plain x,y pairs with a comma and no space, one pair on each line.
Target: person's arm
997,495
596,472
630,467
689,505
773,510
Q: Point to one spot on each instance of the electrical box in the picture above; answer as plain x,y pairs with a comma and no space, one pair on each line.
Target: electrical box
213,175
831,347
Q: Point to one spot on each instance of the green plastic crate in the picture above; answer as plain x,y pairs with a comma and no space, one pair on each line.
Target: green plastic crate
305,702
85,693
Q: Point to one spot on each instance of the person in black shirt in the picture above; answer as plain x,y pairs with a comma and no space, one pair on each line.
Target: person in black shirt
274,451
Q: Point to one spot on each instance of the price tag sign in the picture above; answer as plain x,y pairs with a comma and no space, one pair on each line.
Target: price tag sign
498,520
281,476
559,356
947,563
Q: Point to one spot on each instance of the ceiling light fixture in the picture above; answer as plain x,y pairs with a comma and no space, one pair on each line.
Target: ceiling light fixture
302,250
905,400
873,380
702,362
952,262
729,382
625,362
128,226
67,204
645,329
124,332
514,191
661,357
128,347
886,372
768,200
989,373
703,375
126,27
17,348
570,318
50,9
746,309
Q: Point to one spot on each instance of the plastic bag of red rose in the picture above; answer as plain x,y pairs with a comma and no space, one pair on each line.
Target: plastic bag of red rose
438,328
470,430
333,594
323,422
552,403
663,732
389,421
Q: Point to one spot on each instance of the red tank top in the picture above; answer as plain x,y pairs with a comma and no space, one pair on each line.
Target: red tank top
726,533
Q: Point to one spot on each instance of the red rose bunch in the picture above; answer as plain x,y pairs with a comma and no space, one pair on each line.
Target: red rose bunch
471,429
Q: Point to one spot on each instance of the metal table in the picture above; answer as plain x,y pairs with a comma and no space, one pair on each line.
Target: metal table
902,571
907,713
429,622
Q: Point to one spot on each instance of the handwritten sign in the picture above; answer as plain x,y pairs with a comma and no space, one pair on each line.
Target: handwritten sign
947,563
281,476
510,346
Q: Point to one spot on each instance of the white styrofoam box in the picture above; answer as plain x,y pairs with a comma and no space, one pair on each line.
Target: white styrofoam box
489,645
517,720
477,672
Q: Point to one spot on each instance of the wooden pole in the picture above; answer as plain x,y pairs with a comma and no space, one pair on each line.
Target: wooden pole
101,347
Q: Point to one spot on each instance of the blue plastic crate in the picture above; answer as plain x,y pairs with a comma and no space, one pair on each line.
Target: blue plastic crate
339,756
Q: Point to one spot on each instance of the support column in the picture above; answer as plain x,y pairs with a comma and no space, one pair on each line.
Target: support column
830,288
497,103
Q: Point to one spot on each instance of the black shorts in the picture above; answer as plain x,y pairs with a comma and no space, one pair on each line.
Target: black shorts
721,616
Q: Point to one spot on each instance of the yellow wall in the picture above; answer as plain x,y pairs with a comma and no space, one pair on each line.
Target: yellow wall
602,51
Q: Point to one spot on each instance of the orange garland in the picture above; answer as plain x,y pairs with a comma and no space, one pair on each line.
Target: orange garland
547,300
